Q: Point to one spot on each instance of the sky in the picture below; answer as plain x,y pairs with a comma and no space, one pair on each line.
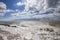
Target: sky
43,10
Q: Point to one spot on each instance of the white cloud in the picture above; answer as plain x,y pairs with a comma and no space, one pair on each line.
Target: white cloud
9,10
30,7
26,15
40,5
3,5
19,4
36,5
19,15
2,8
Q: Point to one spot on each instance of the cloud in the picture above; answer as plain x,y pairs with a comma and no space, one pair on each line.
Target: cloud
53,3
40,7
33,9
38,4
33,4
19,3
43,17
2,5
2,8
